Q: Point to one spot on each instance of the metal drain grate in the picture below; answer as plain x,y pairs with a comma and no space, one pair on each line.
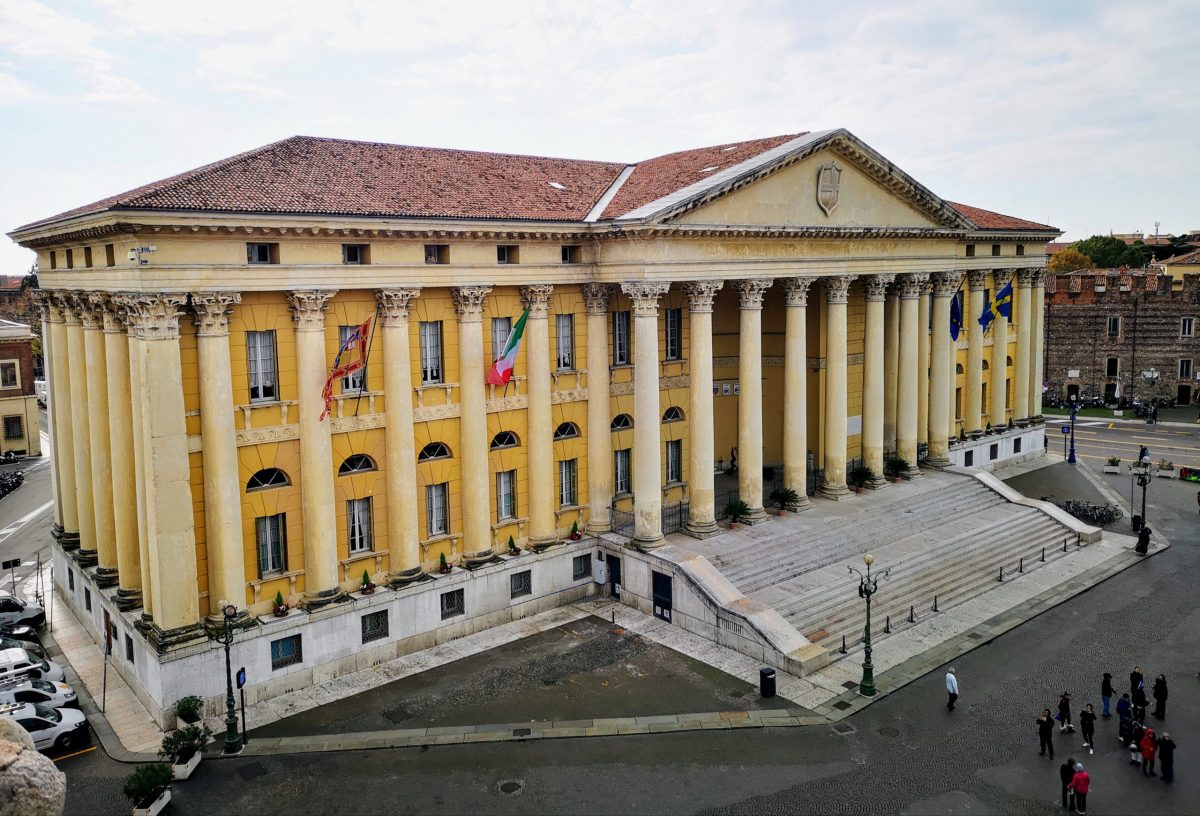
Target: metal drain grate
849,684
844,728
841,705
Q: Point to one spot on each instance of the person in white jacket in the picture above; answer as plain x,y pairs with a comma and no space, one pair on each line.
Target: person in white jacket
951,689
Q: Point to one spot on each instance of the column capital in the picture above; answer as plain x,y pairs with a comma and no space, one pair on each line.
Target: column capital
701,294
469,300
977,279
595,297
48,305
796,289
837,288
211,310
152,316
645,295
536,298
946,284
65,298
875,286
750,291
912,285
308,307
115,319
393,304
1039,276
1025,277
91,307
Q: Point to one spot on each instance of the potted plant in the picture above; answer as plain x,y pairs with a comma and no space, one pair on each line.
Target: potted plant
513,549
1166,469
148,788
443,566
280,608
183,748
367,585
987,429
1113,465
896,468
575,536
858,477
735,511
188,708
785,497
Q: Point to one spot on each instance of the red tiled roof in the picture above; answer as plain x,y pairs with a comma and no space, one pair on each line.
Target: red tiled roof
1055,247
1189,258
986,219
660,176
11,282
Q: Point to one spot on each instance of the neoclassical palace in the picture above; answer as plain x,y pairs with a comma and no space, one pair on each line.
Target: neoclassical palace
783,303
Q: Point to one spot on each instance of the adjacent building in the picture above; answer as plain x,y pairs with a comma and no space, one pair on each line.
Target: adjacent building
18,397
784,302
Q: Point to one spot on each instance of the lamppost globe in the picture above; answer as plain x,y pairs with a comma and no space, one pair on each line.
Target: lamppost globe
868,559
230,611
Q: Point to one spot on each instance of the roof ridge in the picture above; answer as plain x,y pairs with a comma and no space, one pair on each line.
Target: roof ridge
374,143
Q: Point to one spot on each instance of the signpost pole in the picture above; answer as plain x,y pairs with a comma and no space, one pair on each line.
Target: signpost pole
241,683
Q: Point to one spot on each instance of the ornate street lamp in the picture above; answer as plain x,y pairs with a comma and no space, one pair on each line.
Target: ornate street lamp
1074,411
233,739
867,584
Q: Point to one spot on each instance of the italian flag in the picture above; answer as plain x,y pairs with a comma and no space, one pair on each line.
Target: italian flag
502,370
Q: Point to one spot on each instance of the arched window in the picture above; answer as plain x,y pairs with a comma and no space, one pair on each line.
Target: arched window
672,414
1008,361
986,366
505,439
568,430
958,369
621,422
266,478
434,450
356,463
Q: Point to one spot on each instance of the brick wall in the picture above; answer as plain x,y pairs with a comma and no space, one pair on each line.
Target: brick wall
22,351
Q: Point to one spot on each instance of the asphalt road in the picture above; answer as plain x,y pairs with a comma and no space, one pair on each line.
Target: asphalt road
904,754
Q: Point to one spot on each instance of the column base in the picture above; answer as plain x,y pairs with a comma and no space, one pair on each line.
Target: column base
405,577
105,577
541,543
479,558
803,504
911,473
85,558
701,529
1023,422
598,527
164,640
876,483
835,492
214,623
66,539
647,544
938,462
757,515
128,600
974,434
317,600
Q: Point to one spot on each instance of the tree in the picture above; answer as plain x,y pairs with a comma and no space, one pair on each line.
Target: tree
1108,252
1068,260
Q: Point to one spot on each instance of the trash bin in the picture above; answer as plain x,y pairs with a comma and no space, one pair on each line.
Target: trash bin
1143,547
766,682
1137,522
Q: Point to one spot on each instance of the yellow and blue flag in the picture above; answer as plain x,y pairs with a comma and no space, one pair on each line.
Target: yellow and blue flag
999,306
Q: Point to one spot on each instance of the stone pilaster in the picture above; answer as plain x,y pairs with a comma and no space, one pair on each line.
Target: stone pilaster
702,518
477,529
973,399
873,393
837,294
1025,325
120,442
92,306
941,377
599,440
647,448
543,529
750,430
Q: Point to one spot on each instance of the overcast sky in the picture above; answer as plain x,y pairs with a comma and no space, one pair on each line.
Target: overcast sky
1082,115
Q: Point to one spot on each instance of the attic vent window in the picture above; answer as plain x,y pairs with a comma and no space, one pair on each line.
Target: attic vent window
556,185
710,169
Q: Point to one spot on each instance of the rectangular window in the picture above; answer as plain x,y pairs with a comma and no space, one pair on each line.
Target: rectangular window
70,259
286,652
995,250
53,259
87,599
993,451
570,254
374,626
355,382
1111,370
453,604
969,459
9,375
1020,250
261,366
70,580
501,329
87,256
506,495
581,567
431,351
1114,326
674,461
970,250
355,254
1017,445
568,483
262,253
674,320
270,533
1185,373
564,341
620,321
13,428
437,253
128,649
1185,326
360,538
437,509
622,463
110,255
507,255
520,584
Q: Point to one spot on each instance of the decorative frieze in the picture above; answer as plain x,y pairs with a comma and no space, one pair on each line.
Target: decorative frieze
393,304
626,388
701,294
796,289
447,410
308,307
875,286
152,316
645,296
212,312
468,301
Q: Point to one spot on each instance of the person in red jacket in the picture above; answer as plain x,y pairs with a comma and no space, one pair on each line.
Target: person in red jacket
1149,746
1081,783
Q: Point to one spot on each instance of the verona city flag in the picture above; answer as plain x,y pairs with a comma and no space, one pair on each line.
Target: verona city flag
999,306
501,372
356,343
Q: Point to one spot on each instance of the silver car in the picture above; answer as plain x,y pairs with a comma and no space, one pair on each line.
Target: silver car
13,611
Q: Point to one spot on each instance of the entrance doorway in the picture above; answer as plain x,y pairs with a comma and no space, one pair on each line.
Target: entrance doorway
661,588
1184,395
1072,392
614,575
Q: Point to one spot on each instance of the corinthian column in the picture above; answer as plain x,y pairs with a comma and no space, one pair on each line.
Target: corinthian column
404,544
60,418
891,367
750,432
120,441
941,377
795,388
647,453
702,519
911,289
973,404
543,529
923,299
599,440
1037,302
477,530
875,289
998,416
92,306
222,480
837,294
316,449
1025,321
73,307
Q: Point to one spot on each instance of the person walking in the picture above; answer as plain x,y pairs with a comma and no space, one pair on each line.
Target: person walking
1139,703
1045,724
1166,757
951,689
1125,716
1106,693
1160,697
1064,712
1136,732
1081,783
1149,746
1066,773
1135,679
1087,723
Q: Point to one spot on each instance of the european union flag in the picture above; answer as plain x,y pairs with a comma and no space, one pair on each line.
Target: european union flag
1000,306
955,317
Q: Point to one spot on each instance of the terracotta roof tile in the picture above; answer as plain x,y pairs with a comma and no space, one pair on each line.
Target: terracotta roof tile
1189,258
986,219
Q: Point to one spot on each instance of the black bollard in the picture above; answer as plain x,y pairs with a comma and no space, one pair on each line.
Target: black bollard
911,616
1065,540
1043,555
935,603
1021,564
843,644
887,625
1001,578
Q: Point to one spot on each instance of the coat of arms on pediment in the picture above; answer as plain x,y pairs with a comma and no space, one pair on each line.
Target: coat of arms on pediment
829,183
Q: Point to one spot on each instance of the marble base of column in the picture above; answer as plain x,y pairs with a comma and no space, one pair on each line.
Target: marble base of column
478,559
835,492
106,577
128,600
913,472
66,539
876,482
645,545
802,504
1023,422
938,462
598,527
214,622
701,529
85,558
757,515
974,434
164,640
405,577
542,542
318,600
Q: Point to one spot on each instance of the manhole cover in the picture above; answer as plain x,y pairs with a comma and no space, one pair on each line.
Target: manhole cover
844,728
512,787
888,732
251,770
396,714
841,705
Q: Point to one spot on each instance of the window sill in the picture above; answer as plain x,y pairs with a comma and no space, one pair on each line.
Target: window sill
619,366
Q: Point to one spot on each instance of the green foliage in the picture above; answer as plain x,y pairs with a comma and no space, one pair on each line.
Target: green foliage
895,466
442,561
366,579
180,746
785,497
1068,260
859,475
1107,252
574,528
188,708
1114,461
146,780
278,599
512,545
736,510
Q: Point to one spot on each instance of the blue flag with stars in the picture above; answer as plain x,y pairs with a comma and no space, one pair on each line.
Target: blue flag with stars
955,317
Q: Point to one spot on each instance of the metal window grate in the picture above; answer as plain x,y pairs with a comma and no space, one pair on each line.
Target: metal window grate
286,652
374,626
453,604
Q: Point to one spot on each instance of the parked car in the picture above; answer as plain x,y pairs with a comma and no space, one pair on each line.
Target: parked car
60,728
19,663
13,610
12,643
39,390
40,692
20,631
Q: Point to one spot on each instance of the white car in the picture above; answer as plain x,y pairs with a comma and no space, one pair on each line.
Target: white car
42,692
13,610
58,728
16,664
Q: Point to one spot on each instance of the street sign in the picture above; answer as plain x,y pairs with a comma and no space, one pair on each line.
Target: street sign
12,563
241,677
1065,429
